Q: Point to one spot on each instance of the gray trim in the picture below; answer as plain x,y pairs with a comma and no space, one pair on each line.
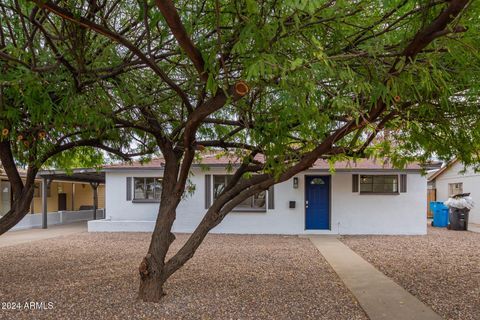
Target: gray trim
355,182
133,169
271,197
389,171
208,190
129,188
145,201
249,210
380,193
312,170
403,183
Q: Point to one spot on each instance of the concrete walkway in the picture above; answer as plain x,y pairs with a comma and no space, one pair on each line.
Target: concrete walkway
379,296
12,238
474,227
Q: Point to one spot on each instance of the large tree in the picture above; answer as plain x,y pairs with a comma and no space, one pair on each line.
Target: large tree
51,105
292,81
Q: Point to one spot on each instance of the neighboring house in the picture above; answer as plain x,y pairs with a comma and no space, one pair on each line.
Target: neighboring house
454,178
365,197
67,199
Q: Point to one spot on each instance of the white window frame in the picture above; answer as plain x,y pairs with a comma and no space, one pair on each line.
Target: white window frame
455,188
155,199
373,176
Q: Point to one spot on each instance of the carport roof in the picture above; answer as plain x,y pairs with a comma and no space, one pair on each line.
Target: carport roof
76,175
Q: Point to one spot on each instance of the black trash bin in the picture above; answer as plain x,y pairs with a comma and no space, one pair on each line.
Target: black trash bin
458,218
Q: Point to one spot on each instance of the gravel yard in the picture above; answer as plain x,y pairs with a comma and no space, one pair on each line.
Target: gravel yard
94,276
442,268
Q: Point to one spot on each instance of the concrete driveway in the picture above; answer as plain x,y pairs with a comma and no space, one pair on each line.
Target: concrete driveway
12,238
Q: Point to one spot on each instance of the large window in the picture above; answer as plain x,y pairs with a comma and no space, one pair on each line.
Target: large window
379,184
255,202
148,189
455,188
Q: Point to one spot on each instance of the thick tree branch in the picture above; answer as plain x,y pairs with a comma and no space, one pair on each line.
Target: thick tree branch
178,30
425,36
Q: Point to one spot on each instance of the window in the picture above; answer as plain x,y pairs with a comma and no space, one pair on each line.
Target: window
455,188
255,202
148,189
317,181
379,184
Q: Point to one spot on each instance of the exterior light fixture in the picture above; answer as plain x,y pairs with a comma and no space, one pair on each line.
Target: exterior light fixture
295,183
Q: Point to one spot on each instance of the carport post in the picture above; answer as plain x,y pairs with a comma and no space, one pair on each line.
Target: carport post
95,199
44,203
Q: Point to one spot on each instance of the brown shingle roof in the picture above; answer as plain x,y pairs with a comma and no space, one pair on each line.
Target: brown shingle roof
216,160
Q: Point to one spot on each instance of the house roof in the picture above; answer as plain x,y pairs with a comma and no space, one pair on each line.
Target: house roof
440,171
219,161
21,172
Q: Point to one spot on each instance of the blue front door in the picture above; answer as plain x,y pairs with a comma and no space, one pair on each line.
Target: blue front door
317,202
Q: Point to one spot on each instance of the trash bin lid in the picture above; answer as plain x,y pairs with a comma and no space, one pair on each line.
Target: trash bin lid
460,195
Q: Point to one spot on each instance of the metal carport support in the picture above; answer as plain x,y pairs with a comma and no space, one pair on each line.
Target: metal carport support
92,176
94,186
45,185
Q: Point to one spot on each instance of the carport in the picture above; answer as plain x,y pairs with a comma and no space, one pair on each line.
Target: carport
91,176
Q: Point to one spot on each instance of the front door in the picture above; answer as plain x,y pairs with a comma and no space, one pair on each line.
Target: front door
62,202
317,202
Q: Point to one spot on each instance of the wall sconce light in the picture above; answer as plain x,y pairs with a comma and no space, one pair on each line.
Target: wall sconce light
295,183
60,188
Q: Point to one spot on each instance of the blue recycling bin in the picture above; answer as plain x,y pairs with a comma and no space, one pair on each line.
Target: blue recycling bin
440,214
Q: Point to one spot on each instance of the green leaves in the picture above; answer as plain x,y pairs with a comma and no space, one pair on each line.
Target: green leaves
312,66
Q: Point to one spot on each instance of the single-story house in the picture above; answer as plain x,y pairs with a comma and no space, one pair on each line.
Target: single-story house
69,197
362,197
453,179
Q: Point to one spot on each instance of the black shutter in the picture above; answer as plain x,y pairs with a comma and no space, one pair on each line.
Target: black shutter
208,190
271,198
129,188
354,182
403,183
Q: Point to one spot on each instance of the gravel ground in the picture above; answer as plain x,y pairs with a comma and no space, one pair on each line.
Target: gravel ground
442,268
94,276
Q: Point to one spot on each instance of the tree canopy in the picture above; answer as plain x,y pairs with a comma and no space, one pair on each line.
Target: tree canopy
52,108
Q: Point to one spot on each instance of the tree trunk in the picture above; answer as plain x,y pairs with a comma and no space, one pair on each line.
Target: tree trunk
152,267
151,280
20,208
